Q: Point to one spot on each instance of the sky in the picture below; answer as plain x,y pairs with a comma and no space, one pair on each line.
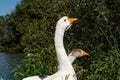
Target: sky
7,6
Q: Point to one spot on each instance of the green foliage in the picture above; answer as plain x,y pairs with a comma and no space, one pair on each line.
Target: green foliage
30,29
106,65
3,30
32,25
37,63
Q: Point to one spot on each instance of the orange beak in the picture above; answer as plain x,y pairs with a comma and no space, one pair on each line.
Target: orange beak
85,53
71,20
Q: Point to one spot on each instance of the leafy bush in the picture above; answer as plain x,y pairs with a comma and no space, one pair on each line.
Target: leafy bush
32,25
37,63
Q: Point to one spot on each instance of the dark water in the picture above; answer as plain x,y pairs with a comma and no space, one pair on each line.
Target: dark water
7,64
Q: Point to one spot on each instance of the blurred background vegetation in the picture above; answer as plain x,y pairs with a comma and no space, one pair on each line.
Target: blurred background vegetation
30,29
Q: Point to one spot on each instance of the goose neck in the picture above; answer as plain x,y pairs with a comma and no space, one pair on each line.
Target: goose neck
62,58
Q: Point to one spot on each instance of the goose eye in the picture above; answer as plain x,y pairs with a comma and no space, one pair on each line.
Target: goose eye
64,20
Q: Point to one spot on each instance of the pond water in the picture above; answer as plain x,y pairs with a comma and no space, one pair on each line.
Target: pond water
7,64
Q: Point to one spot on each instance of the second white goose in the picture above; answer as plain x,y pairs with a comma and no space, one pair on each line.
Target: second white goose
75,53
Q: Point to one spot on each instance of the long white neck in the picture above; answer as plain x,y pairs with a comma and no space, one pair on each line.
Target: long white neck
63,61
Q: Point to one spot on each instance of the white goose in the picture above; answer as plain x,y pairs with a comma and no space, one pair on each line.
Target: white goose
65,69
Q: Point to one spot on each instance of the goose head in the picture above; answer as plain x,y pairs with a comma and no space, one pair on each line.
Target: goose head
78,53
65,22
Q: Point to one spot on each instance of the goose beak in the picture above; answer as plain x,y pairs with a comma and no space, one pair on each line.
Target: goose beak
85,53
71,20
